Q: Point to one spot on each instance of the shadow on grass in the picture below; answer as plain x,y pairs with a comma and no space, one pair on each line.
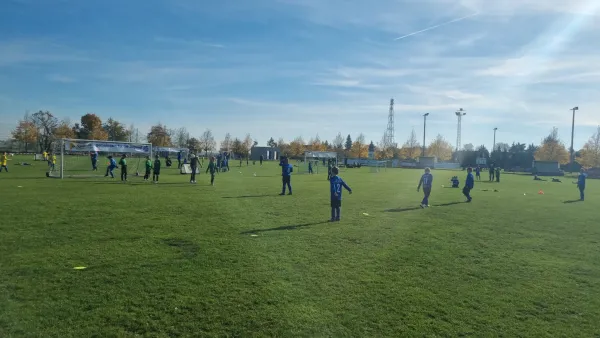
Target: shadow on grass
3,176
249,196
284,227
573,201
419,208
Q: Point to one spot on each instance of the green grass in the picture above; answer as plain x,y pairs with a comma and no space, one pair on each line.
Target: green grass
176,259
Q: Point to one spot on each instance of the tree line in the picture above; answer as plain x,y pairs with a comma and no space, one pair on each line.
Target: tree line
38,131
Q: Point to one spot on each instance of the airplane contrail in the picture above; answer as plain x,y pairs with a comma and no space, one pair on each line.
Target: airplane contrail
436,26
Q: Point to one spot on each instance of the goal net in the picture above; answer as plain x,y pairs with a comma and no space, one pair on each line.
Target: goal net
377,166
318,161
76,158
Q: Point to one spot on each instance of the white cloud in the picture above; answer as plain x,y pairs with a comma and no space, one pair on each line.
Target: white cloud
60,78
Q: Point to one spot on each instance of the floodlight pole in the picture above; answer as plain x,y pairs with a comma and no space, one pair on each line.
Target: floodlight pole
424,131
572,138
460,113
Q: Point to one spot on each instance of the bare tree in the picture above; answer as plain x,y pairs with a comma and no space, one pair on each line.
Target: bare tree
247,145
411,148
227,143
207,141
181,137
45,123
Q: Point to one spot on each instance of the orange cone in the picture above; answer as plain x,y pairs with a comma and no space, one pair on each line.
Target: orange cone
540,192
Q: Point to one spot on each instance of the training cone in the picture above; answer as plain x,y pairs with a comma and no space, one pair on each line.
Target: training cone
540,192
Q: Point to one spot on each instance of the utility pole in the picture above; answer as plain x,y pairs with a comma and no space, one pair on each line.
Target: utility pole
572,138
494,146
424,132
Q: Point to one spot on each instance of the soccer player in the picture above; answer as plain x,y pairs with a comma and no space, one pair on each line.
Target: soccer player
261,159
478,172
112,164
148,168
286,175
194,165
123,164
427,182
498,174
469,185
310,167
581,183
94,158
179,160
156,168
492,172
3,162
212,167
53,162
336,184
45,155
329,167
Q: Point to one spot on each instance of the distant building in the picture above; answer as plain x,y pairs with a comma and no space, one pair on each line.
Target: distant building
268,153
547,168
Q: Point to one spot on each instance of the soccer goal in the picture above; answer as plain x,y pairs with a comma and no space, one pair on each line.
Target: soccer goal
318,161
75,158
377,166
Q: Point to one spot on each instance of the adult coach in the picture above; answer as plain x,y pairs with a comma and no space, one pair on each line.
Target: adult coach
286,175
194,166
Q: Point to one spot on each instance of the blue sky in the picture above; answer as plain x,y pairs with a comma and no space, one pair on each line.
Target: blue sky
287,68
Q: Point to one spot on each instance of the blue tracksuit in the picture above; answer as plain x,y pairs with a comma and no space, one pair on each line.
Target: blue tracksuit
581,185
427,183
286,174
94,158
469,185
336,184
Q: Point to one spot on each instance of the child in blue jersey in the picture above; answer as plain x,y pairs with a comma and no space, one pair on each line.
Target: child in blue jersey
112,164
469,185
581,183
336,184
286,175
478,173
427,182
94,158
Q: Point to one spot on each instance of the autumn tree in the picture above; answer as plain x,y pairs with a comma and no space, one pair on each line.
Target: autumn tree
552,149
590,154
116,131
159,136
469,147
45,123
90,128
315,144
440,148
64,130
359,147
207,141
25,132
411,148
297,147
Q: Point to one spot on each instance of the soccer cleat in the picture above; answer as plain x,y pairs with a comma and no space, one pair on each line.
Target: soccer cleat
422,206
332,220
282,194
337,220
289,193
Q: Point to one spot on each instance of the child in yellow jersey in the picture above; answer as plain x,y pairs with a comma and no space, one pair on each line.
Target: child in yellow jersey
53,162
45,155
3,162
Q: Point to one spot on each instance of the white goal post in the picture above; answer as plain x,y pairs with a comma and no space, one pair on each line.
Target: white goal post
74,157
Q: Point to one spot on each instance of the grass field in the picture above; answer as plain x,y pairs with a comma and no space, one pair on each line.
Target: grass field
238,260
